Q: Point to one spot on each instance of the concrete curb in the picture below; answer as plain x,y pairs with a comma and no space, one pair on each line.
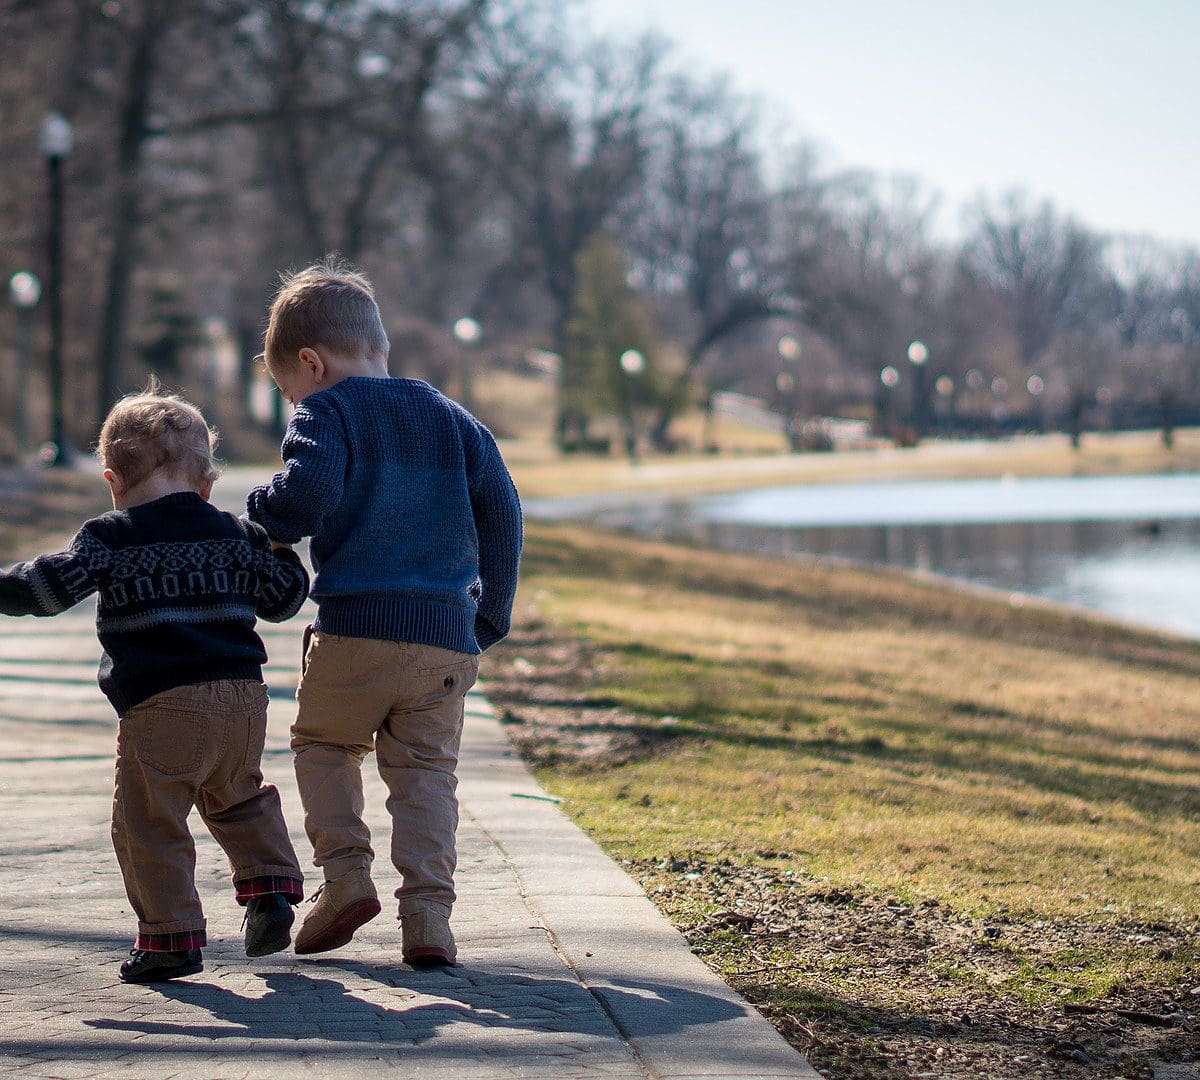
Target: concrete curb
608,933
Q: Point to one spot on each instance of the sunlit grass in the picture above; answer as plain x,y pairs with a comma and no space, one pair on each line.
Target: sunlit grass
918,804
881,732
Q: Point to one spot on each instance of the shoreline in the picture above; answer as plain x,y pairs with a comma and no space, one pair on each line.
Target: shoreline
541,473
1013,598
1036,457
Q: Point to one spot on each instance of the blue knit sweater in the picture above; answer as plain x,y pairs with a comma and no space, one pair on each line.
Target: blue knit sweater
414,519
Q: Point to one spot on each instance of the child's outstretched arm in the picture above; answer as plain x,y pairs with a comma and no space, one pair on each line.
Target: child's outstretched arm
497,511
51,584
293,505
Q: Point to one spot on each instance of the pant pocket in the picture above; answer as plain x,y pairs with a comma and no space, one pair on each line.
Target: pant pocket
256,740
173,745
448,680
305,642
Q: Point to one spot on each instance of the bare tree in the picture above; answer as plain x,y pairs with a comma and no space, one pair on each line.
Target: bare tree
706,228
1158,287
568,162
881,281
1043,263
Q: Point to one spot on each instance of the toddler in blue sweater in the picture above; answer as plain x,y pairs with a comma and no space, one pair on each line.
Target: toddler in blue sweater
416,541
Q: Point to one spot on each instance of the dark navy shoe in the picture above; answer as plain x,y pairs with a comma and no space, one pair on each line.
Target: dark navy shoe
147,967
268,924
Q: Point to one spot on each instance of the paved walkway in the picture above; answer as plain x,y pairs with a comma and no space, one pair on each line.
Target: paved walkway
566,969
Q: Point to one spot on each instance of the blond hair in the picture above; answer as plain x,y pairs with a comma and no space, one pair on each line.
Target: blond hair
330,304
152,430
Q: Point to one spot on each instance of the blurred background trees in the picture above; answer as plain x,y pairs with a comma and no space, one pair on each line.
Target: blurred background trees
575,201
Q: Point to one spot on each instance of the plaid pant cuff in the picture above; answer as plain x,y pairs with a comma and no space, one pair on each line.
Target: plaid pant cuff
292,888
180,941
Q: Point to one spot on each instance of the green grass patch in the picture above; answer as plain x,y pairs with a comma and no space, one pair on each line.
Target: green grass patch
885,733
909,796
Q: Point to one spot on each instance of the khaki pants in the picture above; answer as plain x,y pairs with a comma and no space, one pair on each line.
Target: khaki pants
194,746
404,701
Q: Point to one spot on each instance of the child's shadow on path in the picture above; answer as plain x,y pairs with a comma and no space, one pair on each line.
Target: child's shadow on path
298,1006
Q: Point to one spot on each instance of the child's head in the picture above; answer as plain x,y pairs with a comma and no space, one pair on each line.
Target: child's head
328,307
153,432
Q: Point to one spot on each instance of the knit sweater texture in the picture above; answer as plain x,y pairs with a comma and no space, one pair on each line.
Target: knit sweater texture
415,522
180,584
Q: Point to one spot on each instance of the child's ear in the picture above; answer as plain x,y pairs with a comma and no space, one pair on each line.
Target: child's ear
311,359
205,490
116,482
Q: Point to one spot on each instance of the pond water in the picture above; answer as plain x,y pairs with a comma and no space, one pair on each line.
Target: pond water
1125,546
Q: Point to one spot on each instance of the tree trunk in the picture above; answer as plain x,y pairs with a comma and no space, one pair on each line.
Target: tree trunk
1076,418
1167,405
134,112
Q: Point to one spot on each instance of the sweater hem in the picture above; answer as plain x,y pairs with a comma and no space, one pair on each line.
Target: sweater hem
393,618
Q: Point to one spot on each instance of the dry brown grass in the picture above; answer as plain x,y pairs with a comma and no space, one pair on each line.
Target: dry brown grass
923,740
915,824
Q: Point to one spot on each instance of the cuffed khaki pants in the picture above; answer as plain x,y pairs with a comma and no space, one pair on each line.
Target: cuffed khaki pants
194,746
405,702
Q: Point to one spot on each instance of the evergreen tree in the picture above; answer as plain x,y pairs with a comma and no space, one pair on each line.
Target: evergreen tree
607,320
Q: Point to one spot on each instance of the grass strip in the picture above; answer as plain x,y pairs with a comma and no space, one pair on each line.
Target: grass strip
873,802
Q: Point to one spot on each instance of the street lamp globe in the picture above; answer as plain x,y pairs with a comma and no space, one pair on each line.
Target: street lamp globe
632,362
789,348
467,330
25,289
944,385
918,353
1035,384
372,65
889,376
57,136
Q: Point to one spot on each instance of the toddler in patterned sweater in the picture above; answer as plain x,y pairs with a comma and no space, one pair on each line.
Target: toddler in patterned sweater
180,584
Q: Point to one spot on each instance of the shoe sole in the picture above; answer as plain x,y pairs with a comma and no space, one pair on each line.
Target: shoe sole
428,957
164,974
341,930
274,936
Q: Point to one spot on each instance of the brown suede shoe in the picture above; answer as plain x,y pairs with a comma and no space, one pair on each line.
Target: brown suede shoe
428,941
343,905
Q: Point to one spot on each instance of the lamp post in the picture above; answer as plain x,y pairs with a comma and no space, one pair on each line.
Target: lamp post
468,332
25,289
944,388
787,383
889,379
1036,386
917,355
633,363
55,143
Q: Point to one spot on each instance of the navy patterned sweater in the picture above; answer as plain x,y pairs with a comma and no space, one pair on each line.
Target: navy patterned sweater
415,522
180,584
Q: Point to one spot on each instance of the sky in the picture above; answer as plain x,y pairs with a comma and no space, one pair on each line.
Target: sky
1093,104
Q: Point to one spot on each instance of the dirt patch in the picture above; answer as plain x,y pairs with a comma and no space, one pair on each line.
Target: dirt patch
869,987
540,683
